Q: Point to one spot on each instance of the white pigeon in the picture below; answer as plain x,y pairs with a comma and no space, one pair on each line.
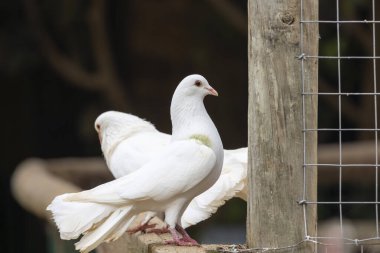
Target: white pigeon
130,142
188,166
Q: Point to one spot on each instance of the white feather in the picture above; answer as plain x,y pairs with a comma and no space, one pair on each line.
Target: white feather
139,148
231,182
180,167
135,151
74,218
102,233
186,167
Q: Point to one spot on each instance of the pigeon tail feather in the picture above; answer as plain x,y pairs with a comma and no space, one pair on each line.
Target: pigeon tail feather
110,229
74,218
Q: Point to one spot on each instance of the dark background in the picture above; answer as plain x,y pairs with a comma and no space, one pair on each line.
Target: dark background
63,62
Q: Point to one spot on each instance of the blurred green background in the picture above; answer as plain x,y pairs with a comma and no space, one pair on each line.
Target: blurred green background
63,62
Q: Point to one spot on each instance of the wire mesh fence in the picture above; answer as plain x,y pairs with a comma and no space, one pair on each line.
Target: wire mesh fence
342,235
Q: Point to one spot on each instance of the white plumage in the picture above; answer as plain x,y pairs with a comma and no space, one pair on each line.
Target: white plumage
188,166
231,183
139,141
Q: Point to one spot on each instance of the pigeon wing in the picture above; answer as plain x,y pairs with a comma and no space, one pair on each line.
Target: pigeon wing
180,167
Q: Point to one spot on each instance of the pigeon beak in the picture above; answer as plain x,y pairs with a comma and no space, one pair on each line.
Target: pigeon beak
211,91
100,137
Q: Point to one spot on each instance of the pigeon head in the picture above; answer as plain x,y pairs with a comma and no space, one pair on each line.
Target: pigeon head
113,127
195,86
187,111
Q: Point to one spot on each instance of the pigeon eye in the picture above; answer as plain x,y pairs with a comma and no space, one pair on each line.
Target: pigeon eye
197,83
97,127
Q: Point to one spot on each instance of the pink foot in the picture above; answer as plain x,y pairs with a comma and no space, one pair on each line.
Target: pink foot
181,242
141,228
191,241
158,231
185,241
185,236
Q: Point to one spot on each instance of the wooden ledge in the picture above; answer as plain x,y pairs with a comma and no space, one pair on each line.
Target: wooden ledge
152,243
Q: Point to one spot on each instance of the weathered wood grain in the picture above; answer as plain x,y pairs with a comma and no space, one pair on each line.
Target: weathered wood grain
275,123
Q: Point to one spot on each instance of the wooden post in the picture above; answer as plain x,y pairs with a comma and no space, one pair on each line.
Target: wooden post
275,173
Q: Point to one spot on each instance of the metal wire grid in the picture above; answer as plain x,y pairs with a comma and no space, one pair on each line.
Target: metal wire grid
375,240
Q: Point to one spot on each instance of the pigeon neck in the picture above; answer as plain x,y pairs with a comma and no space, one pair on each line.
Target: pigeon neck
189,116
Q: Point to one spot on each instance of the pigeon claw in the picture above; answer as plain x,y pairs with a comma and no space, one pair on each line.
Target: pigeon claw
142,228
191,241
185,240
158,231
182,242
185,236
